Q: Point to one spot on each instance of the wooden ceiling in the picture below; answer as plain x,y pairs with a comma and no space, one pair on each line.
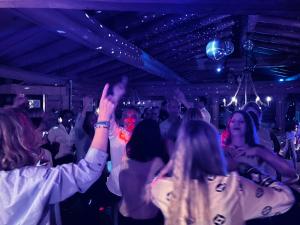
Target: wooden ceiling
92,42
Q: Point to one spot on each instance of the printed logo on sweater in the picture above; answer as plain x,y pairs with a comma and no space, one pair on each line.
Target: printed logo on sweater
169,196
266,211
219,219
278,213
189,220
259,192
267,181
256,177
211,178
277,189
220,187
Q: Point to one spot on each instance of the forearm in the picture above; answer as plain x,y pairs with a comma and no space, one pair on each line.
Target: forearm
279,164
67,179
100,140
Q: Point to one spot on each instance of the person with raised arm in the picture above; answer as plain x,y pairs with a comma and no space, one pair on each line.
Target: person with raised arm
119,135
28,191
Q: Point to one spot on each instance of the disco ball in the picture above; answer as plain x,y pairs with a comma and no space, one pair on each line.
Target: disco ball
215,49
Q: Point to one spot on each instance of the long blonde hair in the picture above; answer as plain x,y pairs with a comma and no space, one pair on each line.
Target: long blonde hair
198,155
18,145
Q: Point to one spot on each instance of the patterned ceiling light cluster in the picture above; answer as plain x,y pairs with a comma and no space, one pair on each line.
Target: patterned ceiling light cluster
246,81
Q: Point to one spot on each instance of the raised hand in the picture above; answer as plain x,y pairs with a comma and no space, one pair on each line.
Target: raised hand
106,105
119,90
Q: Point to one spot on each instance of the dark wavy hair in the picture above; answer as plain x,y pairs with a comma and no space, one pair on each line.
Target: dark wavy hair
250,135
146,142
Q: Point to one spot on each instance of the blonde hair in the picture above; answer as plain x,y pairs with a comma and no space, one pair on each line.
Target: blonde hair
18,145
198,155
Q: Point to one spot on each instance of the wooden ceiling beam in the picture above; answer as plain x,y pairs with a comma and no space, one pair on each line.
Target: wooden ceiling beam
76,69
45,53
64,60
176,6
180,32
94,35
17,38
28,76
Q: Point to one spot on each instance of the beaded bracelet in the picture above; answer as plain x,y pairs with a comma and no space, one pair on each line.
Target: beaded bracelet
104,124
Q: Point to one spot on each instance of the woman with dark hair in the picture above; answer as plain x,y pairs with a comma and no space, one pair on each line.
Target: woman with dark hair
201,190
145,157
240,130
241,145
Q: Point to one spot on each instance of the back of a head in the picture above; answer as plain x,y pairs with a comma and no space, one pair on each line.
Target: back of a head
198,155
252,106
173,107
192,114
146,142
17,143
290,126
203,155
65,113
203,100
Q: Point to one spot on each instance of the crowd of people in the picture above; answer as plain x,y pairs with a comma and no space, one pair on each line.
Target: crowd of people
156,167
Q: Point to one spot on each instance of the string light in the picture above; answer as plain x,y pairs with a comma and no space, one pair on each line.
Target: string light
268,99
224,101
234,100
257,99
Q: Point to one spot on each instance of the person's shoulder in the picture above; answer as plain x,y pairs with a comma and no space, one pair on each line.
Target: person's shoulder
161,186
27,172
204,109
157,162
55,129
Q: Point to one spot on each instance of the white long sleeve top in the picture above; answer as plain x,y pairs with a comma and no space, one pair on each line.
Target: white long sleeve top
26,194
